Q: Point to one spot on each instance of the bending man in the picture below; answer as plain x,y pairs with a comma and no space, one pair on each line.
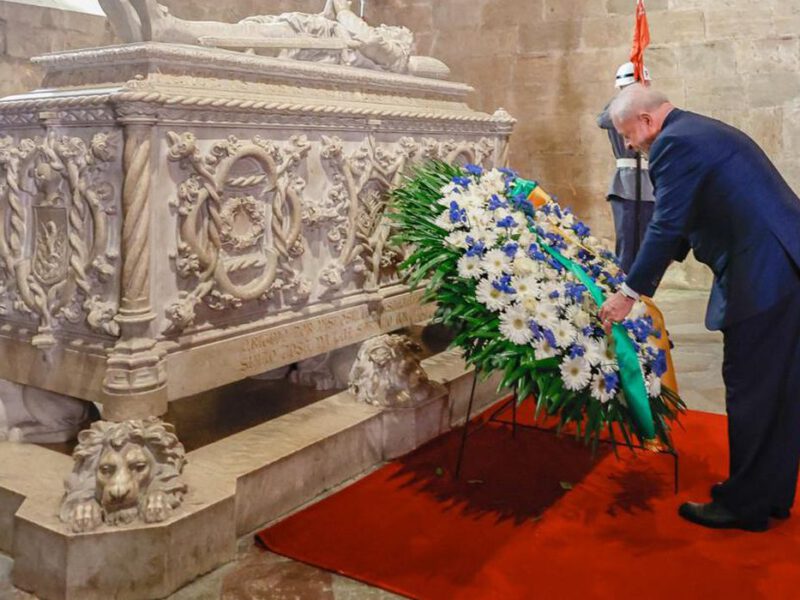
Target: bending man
718,193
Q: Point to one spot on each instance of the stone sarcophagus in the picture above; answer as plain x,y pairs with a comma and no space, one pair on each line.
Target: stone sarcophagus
174,218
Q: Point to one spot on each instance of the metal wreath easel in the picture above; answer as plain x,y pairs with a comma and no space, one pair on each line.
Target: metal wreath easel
512,400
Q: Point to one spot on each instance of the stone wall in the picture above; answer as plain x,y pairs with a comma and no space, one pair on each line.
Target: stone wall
549,62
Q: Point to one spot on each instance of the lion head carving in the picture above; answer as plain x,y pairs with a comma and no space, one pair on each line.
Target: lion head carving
387,372
123,471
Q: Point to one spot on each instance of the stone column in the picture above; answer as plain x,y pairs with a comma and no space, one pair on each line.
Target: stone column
136,371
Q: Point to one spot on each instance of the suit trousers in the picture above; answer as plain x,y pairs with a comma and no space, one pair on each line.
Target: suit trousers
761,370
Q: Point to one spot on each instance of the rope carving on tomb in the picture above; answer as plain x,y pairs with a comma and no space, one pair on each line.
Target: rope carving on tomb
239,223
56,201
354,206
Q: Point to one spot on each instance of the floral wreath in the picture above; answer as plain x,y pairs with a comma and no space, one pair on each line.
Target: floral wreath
521,286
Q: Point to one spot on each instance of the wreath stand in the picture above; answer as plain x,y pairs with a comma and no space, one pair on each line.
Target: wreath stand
512,400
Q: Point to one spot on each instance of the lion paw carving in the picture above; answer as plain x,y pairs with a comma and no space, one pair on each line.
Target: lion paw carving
124,471
387,372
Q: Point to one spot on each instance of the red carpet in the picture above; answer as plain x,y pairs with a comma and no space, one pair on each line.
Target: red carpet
511,528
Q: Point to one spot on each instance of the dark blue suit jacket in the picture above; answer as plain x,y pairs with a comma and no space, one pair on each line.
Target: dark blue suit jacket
718,193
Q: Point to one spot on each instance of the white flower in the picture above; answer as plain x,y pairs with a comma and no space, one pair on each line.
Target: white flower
653,382
487,236
564,333
450,189
575,373
524,266
493,182
491,297
471,202
495,262
458,239
542,349
544,312
469,267
443,221
526,286
514,326
608,359
582,318
595,351
598,388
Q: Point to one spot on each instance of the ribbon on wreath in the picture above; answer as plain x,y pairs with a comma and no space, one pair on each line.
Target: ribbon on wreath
630,373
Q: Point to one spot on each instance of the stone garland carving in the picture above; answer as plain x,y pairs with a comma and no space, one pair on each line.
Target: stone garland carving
354,207
123,471
240,222
387,372
56,203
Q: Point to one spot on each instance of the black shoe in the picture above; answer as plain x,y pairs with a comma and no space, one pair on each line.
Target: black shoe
717,516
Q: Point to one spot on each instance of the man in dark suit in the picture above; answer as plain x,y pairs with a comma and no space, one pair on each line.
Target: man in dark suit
718,194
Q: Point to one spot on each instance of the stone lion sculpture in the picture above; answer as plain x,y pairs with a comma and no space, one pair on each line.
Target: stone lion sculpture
123,471
387,372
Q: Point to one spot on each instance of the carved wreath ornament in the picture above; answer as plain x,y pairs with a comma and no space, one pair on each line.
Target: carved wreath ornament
56,253
239,222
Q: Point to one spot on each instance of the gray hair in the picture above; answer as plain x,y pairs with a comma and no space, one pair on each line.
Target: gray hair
635,99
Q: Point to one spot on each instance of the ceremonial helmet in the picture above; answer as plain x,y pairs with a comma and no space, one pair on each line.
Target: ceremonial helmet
625,75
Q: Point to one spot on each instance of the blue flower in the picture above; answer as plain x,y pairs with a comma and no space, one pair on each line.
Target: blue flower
535,252
588,331
576,350
575,291
581,229
504,285
510,173
536,330
507,222
553,295
473,170
475,248
555,264
611,381
510,249
462,181
457,214
550,337
659,365
556,241
495,202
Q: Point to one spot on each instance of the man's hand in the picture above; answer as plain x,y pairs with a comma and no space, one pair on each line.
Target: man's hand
615,309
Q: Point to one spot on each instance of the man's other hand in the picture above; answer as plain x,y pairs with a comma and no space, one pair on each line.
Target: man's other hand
615,309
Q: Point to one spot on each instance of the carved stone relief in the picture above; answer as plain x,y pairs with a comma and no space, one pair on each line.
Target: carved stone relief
239,214
124,471
57,207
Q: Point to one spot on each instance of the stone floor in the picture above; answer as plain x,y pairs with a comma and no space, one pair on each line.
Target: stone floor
261,575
